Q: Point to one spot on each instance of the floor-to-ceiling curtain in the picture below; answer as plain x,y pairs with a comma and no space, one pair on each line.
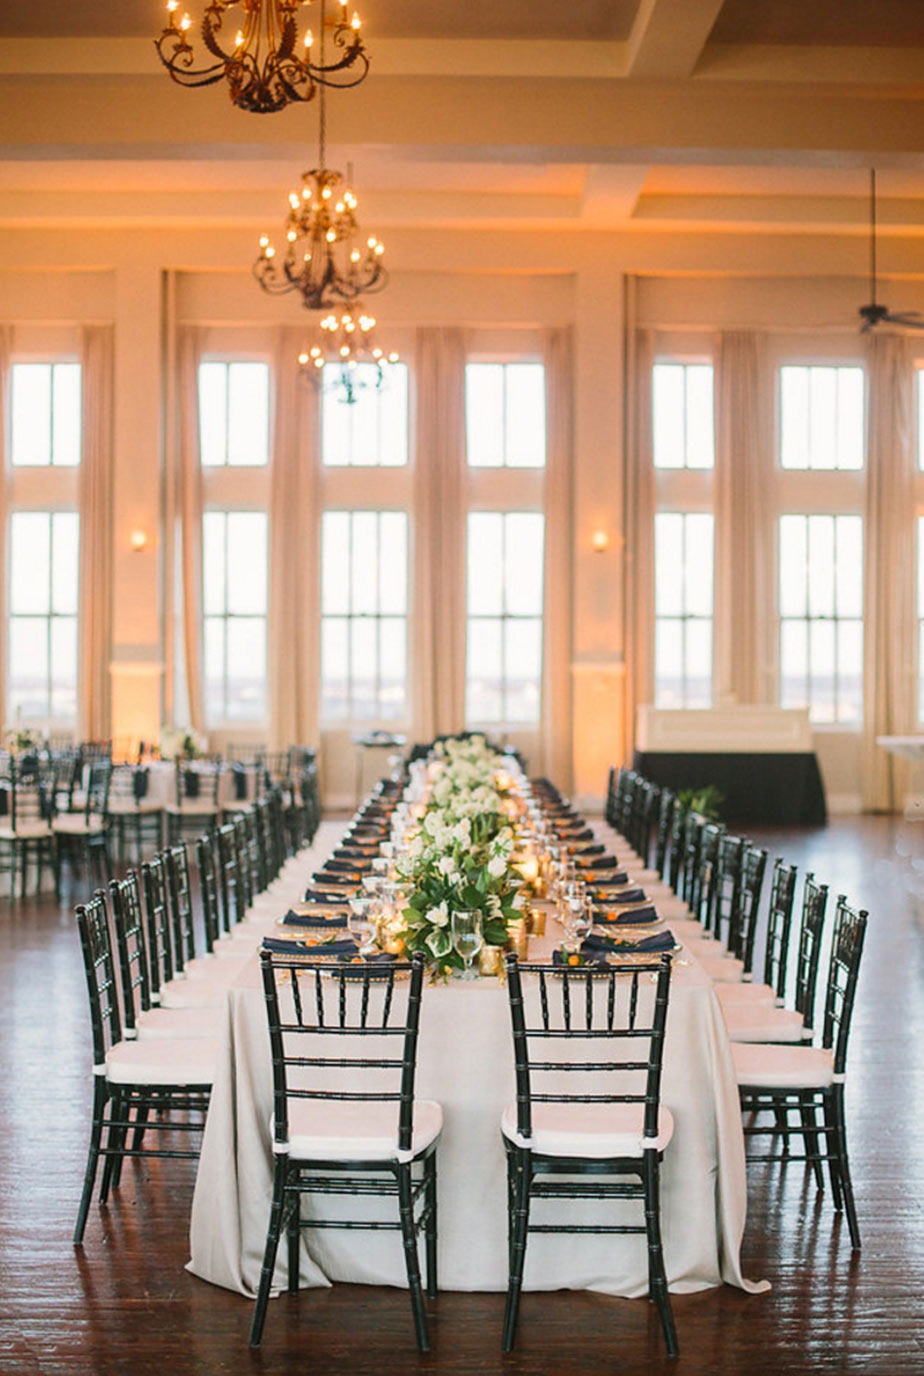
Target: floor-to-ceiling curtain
743,483
889,559
188,506
640,510
557,356
96,530
294,535
439,536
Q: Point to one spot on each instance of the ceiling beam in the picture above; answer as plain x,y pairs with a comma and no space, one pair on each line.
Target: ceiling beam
668,37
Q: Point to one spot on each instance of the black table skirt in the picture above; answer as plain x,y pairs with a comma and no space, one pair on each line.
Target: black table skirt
755,788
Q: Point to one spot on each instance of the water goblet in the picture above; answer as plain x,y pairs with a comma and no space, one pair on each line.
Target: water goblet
364,909
467,938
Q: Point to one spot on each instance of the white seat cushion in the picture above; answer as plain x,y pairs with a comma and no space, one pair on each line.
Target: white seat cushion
173,1023
190,1062
761,1022
331,1131
218,969
728,994
194,993
721,969
782,1067
595,1130
193,807
128,807
26,831
78,824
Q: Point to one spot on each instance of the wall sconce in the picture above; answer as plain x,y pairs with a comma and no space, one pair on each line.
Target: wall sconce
600,541
138,540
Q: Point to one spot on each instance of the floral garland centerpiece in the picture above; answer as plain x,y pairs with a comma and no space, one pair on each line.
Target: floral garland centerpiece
459,857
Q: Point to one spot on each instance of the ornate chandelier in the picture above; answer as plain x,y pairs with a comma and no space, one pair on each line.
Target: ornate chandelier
268,65
346,336
325,260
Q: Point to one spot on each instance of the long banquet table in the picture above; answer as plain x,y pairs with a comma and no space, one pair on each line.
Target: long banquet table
466,1062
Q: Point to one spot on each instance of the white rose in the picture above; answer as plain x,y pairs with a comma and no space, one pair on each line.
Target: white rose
439,916
497,866
445,864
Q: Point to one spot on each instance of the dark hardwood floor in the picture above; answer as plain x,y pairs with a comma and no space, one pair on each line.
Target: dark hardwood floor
124,1303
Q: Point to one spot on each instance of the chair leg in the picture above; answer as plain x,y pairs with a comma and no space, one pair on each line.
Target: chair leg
89,1179
293,1236
273,1232
523,1169
812,1139
656,1272
118,1132
141,1117
831,1139
844,1166
430,1236
412,1264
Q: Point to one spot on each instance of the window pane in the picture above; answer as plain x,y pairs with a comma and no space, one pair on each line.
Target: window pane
30,399
65,528
523,565
699,663
484,414
683,609
849,671
246,641
372,430
335,668
698,562
794,664
363,652
484,670
247,562
364,665
213,649
669,687
822,417
64,668
248,414
822,662
28,669
849,565
485,563
335,562
793,563
214,562
522,669
213,413
700,423
668,563
525,420
65,448
668,415
30,561
821,565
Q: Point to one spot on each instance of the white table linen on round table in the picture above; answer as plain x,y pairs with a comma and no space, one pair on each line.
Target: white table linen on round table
466,1062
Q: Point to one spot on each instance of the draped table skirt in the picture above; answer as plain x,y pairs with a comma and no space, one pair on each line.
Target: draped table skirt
466,1062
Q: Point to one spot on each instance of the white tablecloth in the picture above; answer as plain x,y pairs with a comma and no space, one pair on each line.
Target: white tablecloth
466,1062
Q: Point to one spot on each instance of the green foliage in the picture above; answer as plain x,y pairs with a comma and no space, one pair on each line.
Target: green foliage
707,801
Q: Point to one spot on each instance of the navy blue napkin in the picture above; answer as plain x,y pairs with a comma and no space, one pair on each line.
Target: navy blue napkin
328,877
635,917
611,881
581,850
660,941
346,947
575,833
294,919
634,894
240,781
190,783
601,862
140,781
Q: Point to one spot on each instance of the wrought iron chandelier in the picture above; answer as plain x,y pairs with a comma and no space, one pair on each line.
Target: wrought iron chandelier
346,336
325,259
269,64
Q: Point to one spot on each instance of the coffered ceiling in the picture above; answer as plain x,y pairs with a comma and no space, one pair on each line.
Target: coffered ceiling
653,115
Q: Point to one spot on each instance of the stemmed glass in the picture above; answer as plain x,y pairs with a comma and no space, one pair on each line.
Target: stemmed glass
467,938
364,911
577,915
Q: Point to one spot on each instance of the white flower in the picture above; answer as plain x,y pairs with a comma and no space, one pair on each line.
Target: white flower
433,823
439,916
497,866
462,831
519,901
446,864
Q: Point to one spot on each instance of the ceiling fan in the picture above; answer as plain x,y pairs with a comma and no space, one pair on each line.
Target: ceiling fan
875,313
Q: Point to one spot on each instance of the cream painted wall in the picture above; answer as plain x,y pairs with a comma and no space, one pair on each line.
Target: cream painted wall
478,279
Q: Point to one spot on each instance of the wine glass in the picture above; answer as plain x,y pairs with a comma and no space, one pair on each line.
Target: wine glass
467,938
364,910
577,915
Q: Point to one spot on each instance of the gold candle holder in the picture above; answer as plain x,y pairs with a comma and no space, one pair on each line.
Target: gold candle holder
490,960
518,938
535,921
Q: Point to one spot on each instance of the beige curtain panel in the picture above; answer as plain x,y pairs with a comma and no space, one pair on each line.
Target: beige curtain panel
97,356
889,619
294,545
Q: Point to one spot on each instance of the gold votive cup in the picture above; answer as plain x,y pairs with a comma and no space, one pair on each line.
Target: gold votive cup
490,960
518,938
535,921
